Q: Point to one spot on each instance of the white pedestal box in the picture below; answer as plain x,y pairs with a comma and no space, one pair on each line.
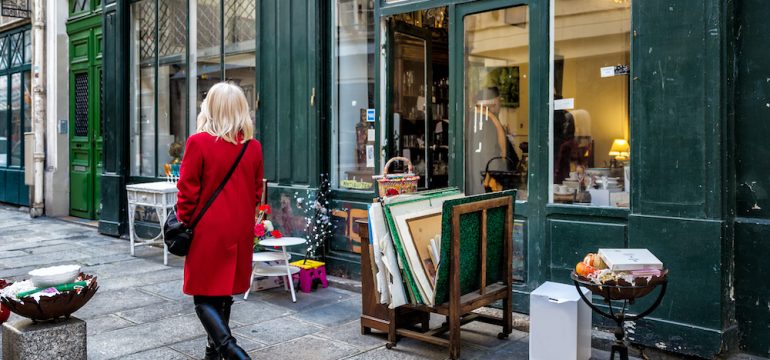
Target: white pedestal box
559,323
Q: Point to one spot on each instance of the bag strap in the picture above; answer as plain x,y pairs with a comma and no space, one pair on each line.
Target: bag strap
221,185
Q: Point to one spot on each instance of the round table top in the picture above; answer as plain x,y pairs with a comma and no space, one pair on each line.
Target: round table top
264,256
284,241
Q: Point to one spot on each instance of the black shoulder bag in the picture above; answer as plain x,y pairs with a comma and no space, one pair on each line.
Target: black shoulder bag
178,236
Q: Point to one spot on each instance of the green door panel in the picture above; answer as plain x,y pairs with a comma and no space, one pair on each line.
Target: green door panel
288,114
675,104
691,250
571,239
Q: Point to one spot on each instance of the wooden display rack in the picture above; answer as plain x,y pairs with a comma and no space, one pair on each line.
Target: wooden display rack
459,309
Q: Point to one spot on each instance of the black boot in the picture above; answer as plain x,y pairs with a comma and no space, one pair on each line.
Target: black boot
213,321
211,351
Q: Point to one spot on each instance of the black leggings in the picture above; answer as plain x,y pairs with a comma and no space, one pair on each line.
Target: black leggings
212,300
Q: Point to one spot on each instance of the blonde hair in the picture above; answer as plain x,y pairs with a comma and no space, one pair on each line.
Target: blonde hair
225,113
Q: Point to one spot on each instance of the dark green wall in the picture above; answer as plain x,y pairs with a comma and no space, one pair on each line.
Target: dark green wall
678,127
752,164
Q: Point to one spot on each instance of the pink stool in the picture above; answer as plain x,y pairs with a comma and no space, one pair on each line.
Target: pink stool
310,271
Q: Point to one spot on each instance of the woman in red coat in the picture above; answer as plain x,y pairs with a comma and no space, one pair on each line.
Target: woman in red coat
218,264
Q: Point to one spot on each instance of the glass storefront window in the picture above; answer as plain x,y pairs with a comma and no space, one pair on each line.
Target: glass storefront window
172,82
16,121
496,49
167,86
353,131
4,141
590,69
208,46
143,62
240,34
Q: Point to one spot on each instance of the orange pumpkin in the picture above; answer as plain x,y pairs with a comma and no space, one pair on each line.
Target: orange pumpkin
584,270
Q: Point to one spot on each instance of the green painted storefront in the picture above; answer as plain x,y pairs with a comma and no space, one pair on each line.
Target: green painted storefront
15,106
699,99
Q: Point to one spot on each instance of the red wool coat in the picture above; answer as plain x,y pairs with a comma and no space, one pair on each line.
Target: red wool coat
219,261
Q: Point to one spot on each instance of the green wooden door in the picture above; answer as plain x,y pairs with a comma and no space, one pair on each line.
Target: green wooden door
85,81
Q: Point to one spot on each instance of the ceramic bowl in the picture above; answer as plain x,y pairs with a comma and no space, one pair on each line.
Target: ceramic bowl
54,275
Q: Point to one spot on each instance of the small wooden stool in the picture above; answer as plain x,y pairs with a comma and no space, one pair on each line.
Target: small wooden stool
309,271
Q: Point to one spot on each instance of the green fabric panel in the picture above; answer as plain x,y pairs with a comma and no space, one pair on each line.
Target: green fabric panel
470,237
411,287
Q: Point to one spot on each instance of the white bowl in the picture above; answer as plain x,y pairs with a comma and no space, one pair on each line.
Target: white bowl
54,275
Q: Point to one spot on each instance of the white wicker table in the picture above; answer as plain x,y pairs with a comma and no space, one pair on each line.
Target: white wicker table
160,196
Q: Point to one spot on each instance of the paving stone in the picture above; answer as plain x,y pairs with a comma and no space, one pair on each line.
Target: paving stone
137,338
156,312
106,323
163,353
516,350
53,249
277,330
597,354
254,311
106,259
485,335
139,280
351,333
11,253
128,268
410,349
196,347
305,301
41,260
306,348
169,290
109,302
333,314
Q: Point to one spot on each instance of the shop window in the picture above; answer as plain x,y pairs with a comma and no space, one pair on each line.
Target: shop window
167,86
590,113
240,34
15,99
172,82
419,86
143,62
496,67
4,142
353,131
159,91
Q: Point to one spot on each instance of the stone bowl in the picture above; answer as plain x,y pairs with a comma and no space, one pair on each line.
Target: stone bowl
53,307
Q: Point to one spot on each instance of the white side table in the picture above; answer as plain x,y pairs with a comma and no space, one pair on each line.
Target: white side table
160,196
261,269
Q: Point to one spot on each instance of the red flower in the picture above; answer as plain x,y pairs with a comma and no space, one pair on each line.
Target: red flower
259,230
264,208
276,234
391,192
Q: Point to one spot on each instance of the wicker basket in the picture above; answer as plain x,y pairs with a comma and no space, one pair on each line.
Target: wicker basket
394,184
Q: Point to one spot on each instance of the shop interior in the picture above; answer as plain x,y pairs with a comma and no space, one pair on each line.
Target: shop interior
420,98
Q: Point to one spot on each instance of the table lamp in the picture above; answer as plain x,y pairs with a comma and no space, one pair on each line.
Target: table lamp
620,149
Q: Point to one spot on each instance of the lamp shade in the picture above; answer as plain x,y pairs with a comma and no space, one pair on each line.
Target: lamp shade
620,149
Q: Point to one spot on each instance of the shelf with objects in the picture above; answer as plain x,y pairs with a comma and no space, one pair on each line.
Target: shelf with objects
420,106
